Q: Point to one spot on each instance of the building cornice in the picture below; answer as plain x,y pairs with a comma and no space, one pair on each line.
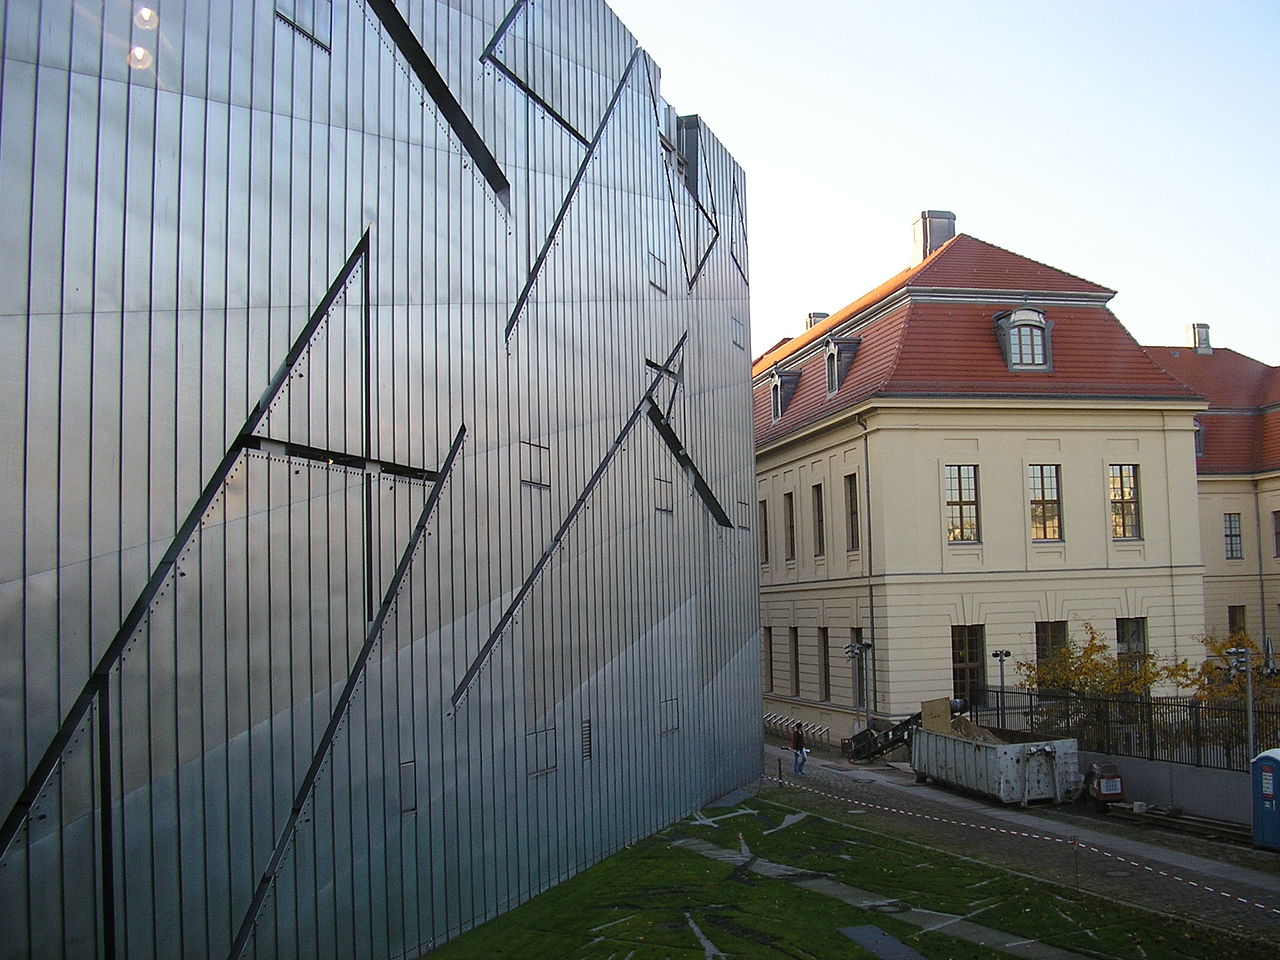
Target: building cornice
899,401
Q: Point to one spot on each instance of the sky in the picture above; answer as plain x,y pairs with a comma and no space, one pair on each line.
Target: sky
1132,143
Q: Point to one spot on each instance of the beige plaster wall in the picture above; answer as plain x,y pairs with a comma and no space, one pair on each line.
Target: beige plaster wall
1253,581
922,584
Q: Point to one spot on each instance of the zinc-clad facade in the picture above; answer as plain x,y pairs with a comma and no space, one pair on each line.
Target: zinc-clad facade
376,479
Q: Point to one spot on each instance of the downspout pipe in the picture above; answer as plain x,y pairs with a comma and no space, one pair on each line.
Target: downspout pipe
1262,580
870,551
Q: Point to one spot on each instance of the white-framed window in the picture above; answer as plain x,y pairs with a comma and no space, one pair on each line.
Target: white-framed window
838,359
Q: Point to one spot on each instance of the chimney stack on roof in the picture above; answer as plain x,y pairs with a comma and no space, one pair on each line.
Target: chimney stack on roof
1198,337
932,230
815,319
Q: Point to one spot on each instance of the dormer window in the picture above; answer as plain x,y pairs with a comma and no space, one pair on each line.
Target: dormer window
1024,339
781,386
838,360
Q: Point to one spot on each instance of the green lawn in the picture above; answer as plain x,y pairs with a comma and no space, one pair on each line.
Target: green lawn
656,900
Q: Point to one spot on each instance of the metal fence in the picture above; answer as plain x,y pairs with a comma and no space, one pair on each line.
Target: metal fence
781,725
1173,729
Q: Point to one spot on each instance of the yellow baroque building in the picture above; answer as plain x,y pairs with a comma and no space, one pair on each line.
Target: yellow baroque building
977,457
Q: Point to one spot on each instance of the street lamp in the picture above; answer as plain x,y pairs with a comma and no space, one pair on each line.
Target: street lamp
1001,655
1242,659
857,651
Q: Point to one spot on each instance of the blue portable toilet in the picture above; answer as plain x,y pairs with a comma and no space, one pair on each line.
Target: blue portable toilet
1266,805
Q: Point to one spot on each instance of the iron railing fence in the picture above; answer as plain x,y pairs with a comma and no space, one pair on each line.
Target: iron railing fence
1174,729
781,725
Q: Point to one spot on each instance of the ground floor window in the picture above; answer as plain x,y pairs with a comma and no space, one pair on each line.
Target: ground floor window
968,662
824,665
793,645
1051,638
1236,620
766,641
861,668
1131,641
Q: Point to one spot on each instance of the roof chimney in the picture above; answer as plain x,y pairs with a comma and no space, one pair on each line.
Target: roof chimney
1198,337
815,319
932,230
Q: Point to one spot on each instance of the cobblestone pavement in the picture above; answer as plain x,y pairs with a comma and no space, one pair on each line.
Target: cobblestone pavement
1227,885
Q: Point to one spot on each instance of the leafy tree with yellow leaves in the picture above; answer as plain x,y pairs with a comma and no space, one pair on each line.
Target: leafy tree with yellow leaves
1092,668
1220,678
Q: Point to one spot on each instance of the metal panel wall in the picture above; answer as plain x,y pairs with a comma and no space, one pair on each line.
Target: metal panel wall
375,417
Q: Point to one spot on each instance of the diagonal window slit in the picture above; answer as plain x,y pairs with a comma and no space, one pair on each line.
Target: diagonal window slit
547,244
402,36
672,440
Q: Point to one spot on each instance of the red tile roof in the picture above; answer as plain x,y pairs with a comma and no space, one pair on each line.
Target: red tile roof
950,349
973,264
1241,428
962,263
1228,380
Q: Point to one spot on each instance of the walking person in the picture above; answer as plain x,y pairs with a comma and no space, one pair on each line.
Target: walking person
799,749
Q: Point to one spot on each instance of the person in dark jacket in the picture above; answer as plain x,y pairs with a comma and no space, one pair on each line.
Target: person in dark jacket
798,748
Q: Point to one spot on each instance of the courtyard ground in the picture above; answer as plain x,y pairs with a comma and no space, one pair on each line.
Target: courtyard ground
864,862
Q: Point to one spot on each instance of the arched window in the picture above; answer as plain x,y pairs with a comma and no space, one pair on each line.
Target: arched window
782,384
1026,344
1024,339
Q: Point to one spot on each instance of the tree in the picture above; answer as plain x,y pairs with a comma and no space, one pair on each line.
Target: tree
1092,668
1220,678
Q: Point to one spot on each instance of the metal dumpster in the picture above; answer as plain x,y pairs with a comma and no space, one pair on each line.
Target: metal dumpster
1009,772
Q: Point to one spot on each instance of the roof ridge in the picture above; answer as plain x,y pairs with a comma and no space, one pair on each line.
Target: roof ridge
1038,263
882,291
1165,370
1256,376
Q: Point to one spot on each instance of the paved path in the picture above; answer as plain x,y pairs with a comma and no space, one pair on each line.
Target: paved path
1111,862
927,920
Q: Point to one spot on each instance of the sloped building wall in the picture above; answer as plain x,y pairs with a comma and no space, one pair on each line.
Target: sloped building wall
377,460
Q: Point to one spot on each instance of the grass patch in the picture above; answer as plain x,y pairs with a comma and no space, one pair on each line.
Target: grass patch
655,900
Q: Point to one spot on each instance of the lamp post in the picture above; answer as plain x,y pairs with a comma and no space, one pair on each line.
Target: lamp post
1242,659
857,653
1001,655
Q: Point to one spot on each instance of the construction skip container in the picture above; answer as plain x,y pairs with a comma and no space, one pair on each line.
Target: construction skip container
1009,772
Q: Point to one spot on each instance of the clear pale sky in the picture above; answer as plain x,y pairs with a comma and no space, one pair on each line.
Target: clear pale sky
1133,143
